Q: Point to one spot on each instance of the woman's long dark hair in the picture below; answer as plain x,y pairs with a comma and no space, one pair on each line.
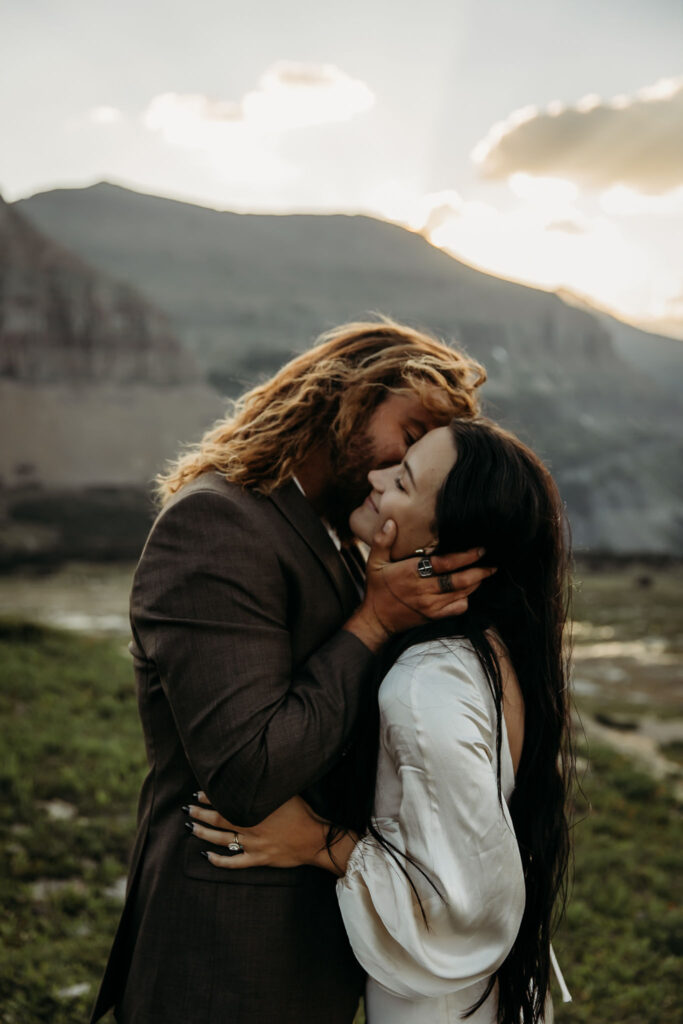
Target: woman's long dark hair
501,497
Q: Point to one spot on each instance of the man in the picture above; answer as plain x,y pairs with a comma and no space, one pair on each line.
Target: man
252,654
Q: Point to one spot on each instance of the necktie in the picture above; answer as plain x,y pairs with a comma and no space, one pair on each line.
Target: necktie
354,562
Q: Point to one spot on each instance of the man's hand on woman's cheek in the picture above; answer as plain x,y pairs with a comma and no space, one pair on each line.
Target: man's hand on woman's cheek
398,597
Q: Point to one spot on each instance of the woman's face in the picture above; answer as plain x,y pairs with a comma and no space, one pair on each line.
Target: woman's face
407,494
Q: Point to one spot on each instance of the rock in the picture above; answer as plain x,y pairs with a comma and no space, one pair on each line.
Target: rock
62,321
59,810
44,888
117,890
74,991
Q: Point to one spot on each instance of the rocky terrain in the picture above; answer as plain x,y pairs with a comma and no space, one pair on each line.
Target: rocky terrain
243,292
96,392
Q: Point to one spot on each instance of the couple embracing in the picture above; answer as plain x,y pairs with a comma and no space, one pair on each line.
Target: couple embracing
357,769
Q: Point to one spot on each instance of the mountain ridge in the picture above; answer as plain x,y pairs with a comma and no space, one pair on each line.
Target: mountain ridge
246,291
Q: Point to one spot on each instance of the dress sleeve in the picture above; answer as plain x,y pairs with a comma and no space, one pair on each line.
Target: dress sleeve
438,730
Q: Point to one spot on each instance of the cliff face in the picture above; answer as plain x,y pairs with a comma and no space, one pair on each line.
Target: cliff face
60,321
95,389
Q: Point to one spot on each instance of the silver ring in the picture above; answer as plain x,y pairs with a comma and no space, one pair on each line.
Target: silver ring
425,568
235,847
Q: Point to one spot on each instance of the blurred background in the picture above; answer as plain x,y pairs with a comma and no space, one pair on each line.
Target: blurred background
189,196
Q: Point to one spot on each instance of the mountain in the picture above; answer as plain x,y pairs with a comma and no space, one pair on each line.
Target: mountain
664,327
657,356
96,392
244,291
243,288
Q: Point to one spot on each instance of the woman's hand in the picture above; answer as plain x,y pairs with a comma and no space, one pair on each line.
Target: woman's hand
289,837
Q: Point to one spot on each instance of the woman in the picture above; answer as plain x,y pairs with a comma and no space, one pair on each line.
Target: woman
452,849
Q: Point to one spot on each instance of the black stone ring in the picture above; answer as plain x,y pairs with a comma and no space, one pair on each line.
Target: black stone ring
425,568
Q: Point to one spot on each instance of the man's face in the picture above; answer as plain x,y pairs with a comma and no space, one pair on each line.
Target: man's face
393,427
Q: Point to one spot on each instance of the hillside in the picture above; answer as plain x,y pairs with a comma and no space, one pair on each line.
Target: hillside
96,392
244,291
655,355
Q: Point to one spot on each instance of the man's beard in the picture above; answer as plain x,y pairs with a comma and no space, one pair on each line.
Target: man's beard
350,487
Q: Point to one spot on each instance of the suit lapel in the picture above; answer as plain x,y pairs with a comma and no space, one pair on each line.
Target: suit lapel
298,512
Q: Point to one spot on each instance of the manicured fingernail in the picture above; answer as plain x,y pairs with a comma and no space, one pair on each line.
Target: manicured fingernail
481,551
204,853
197,795
185,809
387,526
189,826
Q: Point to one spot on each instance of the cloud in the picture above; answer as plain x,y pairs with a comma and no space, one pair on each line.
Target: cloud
569,227
261,150
190,119
635,141
289,96
105,115
621,201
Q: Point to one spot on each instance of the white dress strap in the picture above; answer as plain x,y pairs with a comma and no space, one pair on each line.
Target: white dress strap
566,994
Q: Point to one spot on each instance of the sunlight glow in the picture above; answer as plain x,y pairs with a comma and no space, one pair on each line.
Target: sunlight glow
523,245
546,241
621,201
397,202
546,192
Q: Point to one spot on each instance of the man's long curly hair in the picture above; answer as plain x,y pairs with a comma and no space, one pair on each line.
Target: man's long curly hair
327,394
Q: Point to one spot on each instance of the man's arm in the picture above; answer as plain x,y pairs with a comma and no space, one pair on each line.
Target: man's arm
209,607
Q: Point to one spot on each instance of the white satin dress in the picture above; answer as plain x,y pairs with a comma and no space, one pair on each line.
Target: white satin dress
437,801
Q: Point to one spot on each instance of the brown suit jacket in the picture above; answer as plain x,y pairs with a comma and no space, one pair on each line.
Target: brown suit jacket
247,689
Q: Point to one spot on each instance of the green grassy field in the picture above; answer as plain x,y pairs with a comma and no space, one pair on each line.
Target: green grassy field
72,761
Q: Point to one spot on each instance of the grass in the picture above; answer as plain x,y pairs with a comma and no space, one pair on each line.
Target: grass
72,761
621,943
69,733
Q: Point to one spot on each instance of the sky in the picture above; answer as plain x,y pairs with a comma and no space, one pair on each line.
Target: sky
540,140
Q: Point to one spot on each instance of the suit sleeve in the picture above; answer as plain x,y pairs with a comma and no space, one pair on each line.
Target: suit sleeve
209,607
466,864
